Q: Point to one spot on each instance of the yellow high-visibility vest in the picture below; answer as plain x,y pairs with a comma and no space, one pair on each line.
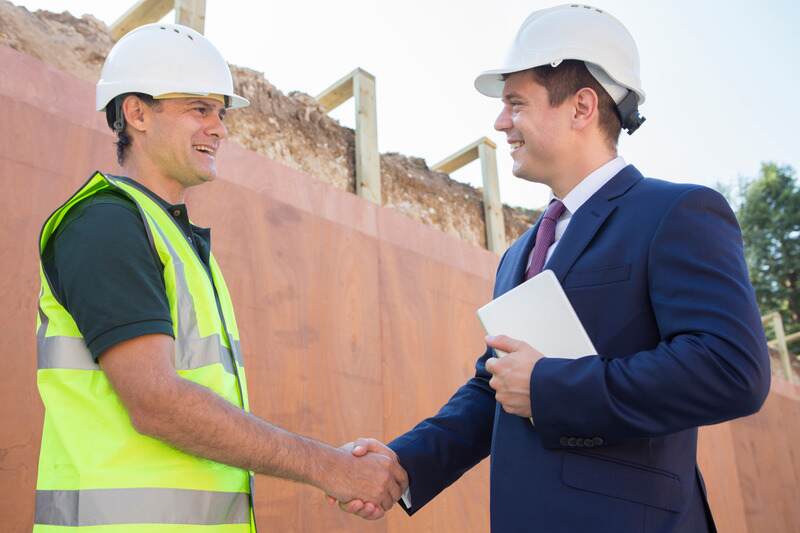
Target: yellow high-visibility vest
95,470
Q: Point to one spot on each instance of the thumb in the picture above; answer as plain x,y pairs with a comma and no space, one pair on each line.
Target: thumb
359,450
504,343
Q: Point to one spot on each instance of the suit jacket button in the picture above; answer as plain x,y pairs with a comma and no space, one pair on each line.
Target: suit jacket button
571,441
563,441
589,443
580,442
598,441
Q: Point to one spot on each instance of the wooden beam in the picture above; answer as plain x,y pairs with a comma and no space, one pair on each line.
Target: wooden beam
463,157
191,13
142,12
368,162
338,93
485,150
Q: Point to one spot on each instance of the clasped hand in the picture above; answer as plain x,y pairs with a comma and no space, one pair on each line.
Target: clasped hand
385,485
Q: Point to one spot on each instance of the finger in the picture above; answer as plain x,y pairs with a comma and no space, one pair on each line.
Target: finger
386,501
396,491
373,445
504,343
352,507
376,513
494,383
491,364
400,475
368,510
371,511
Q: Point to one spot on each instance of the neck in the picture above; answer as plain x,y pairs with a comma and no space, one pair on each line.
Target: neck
151,176
578,168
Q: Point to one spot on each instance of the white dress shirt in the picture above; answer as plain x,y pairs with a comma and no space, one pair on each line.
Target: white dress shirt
578,196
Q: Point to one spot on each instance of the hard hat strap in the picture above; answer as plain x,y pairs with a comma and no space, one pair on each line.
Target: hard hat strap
628,111
119,117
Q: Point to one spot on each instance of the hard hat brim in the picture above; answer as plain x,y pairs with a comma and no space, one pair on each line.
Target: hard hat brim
490,82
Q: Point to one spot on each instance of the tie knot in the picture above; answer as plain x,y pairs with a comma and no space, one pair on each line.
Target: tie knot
554,210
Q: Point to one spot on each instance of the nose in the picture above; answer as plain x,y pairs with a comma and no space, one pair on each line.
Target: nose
216,127
503,120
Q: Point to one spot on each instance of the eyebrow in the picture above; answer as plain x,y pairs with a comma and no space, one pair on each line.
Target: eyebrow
511,95
190,103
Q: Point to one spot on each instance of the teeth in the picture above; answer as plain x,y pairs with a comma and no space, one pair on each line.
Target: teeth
204,149
516,144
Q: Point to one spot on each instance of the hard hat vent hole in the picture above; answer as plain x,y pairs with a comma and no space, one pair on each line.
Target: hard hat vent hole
176,30
190,37
163,27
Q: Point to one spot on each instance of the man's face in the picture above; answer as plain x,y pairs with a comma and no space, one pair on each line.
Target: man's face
183,137
537,133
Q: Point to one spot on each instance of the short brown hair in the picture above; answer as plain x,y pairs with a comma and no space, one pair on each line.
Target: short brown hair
568,78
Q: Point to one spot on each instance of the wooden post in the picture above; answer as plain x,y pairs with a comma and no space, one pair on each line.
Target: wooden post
360,85
492,206
783,349
142,12
483,149
191,13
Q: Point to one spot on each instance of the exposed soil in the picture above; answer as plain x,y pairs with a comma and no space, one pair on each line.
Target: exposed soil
292,129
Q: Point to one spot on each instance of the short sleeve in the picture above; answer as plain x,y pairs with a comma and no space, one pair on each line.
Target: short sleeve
106,274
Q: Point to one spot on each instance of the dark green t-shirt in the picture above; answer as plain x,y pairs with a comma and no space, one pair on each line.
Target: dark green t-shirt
106,273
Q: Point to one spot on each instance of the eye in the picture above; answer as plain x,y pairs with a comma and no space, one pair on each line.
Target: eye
202,110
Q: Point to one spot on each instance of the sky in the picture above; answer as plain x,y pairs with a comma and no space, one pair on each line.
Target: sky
720,75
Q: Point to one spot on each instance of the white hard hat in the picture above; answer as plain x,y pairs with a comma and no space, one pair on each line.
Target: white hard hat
574,31
162,59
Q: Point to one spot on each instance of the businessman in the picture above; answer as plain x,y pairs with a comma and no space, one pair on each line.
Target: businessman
656,273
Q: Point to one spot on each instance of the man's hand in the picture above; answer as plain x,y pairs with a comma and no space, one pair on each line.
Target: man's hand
511,375
367,509
374,481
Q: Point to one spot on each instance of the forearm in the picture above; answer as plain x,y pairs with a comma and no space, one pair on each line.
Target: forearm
197,421
691,381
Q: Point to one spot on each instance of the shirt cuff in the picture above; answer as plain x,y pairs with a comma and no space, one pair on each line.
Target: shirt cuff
406,497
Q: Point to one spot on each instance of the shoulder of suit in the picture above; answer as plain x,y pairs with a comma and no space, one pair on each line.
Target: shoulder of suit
669,190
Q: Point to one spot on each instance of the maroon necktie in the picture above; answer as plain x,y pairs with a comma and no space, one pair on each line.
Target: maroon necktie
545,237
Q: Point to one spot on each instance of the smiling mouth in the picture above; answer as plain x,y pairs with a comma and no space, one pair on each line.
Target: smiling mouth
516,145
205,149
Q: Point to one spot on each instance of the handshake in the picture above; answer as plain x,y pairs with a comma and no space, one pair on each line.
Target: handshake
368,480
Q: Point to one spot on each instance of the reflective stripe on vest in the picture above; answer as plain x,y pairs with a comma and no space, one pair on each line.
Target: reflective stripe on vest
94,468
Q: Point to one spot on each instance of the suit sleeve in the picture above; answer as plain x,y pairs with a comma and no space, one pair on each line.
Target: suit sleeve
711,363
440,449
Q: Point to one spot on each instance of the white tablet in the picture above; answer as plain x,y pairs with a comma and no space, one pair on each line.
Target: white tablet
539,313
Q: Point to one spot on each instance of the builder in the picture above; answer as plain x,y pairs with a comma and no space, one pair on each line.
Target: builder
146,410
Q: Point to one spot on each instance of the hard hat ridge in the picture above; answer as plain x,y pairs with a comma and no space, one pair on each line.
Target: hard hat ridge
158,59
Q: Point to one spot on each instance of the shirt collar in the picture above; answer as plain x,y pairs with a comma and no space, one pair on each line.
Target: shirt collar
591,184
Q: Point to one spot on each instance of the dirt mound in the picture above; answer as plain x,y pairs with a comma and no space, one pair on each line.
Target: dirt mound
292,129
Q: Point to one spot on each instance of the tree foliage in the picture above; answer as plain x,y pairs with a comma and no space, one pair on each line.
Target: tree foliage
769,214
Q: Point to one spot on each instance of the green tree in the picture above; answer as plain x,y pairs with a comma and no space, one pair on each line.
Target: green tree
769,214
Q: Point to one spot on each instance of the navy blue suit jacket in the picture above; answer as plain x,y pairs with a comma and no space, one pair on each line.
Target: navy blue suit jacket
656,273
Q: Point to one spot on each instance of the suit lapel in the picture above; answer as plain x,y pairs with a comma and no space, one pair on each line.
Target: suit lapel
515,264
587,221
580,231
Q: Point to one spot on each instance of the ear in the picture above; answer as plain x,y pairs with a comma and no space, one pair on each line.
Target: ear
584,108
134,111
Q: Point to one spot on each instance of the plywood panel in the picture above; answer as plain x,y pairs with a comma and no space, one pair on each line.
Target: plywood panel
355,321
